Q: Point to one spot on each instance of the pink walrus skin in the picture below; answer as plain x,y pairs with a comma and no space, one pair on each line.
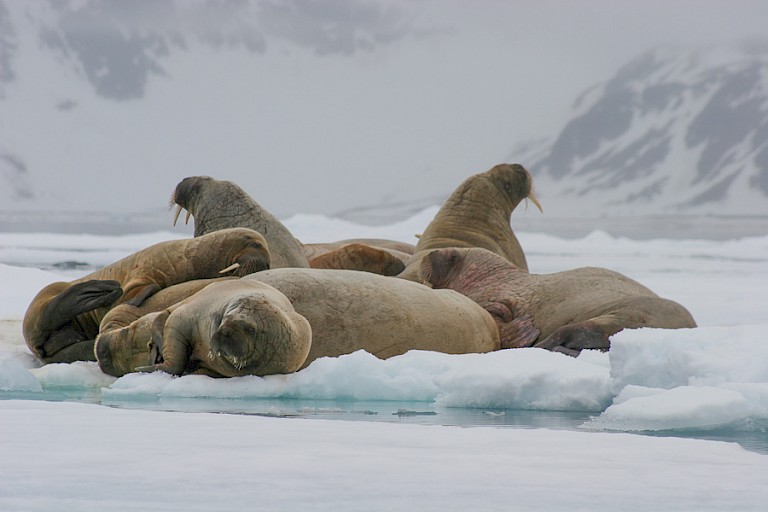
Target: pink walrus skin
564,312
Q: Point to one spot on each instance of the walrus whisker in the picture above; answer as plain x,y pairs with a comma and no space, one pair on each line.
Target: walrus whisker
176,215
233,266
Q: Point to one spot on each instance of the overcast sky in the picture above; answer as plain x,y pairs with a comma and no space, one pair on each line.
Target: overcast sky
344,103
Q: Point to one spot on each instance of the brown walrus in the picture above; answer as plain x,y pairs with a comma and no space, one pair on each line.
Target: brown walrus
125,331
63,319
363,257
230,329
351,311
478,214
216,204
565,311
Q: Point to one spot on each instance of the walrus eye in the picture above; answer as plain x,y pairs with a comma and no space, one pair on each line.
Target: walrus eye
256,245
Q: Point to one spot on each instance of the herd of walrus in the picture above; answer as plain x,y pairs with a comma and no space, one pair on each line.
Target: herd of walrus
244,297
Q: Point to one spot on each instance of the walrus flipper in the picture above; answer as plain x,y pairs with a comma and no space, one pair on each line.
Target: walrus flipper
172,348
54,324
571,339
73,351
514,331
155,345
78,299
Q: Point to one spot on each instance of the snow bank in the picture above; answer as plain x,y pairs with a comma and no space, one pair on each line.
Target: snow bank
706,377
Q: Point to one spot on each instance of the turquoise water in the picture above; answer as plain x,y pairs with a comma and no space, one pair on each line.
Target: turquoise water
752,436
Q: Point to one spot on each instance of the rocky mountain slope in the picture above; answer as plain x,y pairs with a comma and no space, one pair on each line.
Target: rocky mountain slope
674,131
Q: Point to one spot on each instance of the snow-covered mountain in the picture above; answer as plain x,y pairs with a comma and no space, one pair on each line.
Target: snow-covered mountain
674,131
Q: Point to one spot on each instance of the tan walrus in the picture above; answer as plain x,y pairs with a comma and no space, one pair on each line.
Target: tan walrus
477,214
351,311
348,311
565,311
125,331
217,204
63,319
230,329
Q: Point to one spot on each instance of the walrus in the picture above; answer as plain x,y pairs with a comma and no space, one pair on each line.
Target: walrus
350,311
62,321
477,214
362,257
125,331
230,329
399,249
565,312
216,205
347,311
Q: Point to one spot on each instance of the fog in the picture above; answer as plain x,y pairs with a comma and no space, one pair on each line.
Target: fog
314,107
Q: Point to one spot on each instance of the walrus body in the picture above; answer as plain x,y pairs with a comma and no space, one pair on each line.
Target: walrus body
217,205
125,331
478,214
565,311
351,311
230,329
63,319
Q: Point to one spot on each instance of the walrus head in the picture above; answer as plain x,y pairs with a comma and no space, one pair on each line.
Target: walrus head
185,195
256,338
215,204
515,182
464,269
249,256
119,351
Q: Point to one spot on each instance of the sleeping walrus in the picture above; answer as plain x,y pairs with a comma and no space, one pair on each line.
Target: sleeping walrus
565,311
347,311
351,311
63,319
229,329
125,331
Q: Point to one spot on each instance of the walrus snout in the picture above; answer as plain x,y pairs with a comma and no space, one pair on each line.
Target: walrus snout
231,342
103,353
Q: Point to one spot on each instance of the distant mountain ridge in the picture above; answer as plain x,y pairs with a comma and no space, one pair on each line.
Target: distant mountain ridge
674,131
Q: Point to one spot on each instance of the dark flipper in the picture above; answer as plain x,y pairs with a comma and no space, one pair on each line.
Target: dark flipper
55,322
78,299
573,338
78,351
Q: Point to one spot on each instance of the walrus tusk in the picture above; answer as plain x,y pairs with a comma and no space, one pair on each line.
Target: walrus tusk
229,268
535,201
176,215
186,220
